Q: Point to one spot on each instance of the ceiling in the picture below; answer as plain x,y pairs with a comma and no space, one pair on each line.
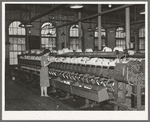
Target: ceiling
63,12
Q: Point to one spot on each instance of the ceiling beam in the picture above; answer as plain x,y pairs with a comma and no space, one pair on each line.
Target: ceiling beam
47,12
122,25
96,15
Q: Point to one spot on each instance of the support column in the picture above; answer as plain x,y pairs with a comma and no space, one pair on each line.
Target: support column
127,27
65,31
136,42
80,36
27,39
7,67
7,44
99,29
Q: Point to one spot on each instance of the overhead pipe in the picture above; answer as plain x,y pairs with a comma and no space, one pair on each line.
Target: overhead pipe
132,23
98,14
47,12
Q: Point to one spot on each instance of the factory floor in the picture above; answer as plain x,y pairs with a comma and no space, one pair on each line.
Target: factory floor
23,95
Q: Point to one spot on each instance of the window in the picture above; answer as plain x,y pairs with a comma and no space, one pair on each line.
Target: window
142,38
103,36
14,29
48,36
74,38
17,42
120,38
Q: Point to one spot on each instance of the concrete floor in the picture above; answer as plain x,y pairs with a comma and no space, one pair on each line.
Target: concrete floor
23,95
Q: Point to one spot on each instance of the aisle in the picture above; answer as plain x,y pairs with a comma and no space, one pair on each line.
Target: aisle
18,96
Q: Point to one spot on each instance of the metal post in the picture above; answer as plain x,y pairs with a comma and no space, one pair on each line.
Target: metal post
80,36
116,95
127,27
136,42
99,29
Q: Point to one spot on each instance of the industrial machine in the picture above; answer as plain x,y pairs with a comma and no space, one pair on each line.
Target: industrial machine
116,77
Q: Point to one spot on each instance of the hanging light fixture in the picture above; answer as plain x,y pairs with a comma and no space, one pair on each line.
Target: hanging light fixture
74,27
96,29
103,36
76,6
111,31
51,30
123,31
91,35
89,28
21,24
142,11
62,34
109,5
49,33
26,24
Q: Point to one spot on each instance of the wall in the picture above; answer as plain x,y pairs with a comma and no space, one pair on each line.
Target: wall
61,39
36,29
88,41
6,40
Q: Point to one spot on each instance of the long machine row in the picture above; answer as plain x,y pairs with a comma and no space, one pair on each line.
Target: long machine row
97,77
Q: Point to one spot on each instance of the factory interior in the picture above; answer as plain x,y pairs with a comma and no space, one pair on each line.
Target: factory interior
97,54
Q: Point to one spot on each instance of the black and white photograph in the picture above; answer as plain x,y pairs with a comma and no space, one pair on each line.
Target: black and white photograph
73,60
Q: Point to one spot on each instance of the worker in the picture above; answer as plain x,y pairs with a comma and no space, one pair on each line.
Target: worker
107,49
44,76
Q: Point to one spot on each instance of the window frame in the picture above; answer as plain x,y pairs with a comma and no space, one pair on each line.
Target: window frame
45,37
103,37
14,47
141,38
120,38
76,37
